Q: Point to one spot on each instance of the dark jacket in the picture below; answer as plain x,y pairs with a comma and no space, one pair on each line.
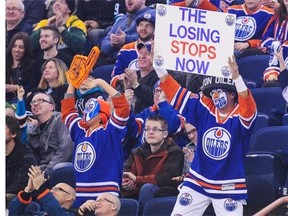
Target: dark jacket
44,197
21,27
157,168
52,144
144,91
17,165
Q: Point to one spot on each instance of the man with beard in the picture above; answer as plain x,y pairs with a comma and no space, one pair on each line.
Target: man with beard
49,38
128,56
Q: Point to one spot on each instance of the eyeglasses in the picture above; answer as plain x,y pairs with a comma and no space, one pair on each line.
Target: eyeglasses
39,101
104,199
13,9
154,130
59,189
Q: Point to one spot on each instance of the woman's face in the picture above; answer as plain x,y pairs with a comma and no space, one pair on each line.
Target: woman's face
50,71
18,50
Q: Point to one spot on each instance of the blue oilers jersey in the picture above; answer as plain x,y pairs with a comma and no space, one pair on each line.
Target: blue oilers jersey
250,25
217,169
98,156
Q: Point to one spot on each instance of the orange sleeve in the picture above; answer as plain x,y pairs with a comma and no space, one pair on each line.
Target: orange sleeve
254,43
121,106
170,87
67,107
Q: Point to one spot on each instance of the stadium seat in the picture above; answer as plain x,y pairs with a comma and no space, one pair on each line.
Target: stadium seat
252,67
266,165
129,207
62,172
265,173
271,139
159,206
271,102
285,119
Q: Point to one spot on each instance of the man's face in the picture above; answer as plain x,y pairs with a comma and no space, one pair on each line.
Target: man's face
105,205
154,133
144,58
61,6
18,50
219,98
133,6
145,30
47,40
191,132
13,11
61,191
157,91
41,105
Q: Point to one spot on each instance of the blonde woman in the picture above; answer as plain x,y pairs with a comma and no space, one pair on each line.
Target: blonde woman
53,81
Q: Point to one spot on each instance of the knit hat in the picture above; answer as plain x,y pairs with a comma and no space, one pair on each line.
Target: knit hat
94,107
210,83
71,5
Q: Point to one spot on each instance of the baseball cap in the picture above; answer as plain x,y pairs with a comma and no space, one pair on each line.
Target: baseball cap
148,16
147,45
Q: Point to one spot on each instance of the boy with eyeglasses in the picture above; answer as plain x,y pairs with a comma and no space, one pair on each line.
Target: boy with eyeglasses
56,201
152,165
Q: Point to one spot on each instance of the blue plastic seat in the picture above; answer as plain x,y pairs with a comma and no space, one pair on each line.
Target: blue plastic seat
160,206
252,67
62,172
129,207
271,102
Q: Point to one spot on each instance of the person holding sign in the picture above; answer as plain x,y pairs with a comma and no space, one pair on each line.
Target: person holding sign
224,115
98,160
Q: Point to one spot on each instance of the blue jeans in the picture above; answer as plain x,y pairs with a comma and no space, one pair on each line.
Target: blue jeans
146,194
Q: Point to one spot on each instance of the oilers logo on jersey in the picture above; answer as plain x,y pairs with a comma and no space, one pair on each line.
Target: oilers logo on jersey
85,156
245,28
230,205
216,143
185,199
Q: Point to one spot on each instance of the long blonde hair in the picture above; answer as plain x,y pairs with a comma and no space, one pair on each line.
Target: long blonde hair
61,68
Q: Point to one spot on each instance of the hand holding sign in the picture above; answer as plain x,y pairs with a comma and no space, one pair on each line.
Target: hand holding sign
81,67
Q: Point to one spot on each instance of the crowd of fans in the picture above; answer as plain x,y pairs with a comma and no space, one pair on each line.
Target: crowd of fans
131,130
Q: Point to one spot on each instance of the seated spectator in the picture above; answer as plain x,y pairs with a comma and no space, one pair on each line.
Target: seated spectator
142,81
71,28
18,159
53,81
128,56
256,16
34,11
122,32
135,126
18,66
50,139
152,165
106,204
15,12
188,150
99,16
97,136
282,78
273,39
49,38
56,201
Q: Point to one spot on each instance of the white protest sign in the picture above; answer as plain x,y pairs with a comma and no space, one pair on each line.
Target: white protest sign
194,41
